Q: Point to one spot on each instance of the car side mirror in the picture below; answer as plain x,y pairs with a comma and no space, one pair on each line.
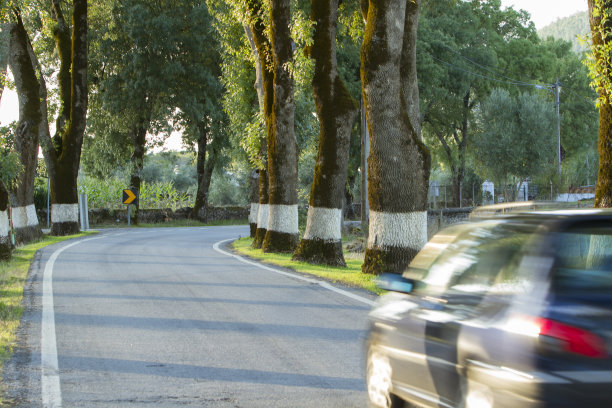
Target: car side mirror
395,283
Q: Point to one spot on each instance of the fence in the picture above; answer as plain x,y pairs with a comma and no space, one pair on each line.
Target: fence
473,195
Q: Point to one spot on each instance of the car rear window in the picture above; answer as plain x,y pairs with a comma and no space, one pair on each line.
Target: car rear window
480,259
584,259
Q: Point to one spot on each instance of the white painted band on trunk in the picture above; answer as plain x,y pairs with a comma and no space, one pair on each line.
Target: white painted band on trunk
324,223
403,230
24,217
253,213
283,218
65,213
4,224
262,216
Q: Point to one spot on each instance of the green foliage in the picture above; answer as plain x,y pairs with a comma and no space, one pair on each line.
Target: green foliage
153,64
599,60
171,167
569,29
10,163
229,188
41,191
466,49
108,193
517,140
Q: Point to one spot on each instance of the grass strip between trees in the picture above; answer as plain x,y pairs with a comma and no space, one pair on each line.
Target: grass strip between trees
350,276
13,276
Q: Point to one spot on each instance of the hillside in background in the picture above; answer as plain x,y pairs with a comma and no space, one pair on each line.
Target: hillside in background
569,29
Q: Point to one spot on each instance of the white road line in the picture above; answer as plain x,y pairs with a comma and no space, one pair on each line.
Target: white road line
50,381
321,283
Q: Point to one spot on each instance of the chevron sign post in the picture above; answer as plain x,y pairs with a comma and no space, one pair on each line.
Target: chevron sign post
129,198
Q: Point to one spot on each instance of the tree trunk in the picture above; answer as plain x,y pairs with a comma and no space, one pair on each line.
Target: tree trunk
263,210
202,193
282,233
139,139
259,87
138,136
63,154
265,92
603,191
5,230
23,214
349,207
601,31
5,38
254,198
398,168
61,33
336,110
205,169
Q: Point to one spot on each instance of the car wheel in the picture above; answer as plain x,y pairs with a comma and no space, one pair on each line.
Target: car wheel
378,379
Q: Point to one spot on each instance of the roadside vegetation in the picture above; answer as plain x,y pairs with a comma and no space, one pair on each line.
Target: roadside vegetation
350,276
481,93
13,276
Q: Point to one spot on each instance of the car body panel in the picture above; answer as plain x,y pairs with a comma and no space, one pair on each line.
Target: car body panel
481,294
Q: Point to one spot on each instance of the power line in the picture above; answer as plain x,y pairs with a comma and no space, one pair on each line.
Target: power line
506,81
485,67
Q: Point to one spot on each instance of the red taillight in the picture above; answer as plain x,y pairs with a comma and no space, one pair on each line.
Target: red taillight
573,339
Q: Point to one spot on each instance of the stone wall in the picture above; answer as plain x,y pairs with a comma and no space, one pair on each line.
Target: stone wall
106,216
438,219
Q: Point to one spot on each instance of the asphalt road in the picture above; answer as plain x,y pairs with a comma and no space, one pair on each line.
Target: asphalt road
158,317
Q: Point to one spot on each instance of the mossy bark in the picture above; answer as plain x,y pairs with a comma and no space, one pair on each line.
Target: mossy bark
399,163
63,153
5,38
61,33
138,135
27,234
603,190
262,50
204,168
279,242
336,110
254,195
27,132
5,241
281,140
260,232
5,248
320,252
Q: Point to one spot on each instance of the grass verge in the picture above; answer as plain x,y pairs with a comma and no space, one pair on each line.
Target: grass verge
351,275
13,275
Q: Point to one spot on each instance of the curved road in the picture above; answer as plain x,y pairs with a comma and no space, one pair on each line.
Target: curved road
158,317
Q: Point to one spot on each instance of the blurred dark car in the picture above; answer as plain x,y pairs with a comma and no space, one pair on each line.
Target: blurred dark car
511,311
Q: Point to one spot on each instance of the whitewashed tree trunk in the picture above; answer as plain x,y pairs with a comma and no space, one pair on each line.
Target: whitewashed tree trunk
336,110
398,166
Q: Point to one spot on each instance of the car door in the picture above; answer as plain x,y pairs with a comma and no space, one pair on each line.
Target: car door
422,348
448,297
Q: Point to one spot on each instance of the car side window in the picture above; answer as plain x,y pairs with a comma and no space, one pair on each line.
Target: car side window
479,261
584,259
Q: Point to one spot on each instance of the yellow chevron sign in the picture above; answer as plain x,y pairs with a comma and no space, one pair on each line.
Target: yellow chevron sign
129,197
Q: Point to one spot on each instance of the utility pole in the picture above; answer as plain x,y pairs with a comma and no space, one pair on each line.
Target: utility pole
557,88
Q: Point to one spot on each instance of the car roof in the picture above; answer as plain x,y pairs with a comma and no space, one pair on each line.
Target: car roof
531,211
